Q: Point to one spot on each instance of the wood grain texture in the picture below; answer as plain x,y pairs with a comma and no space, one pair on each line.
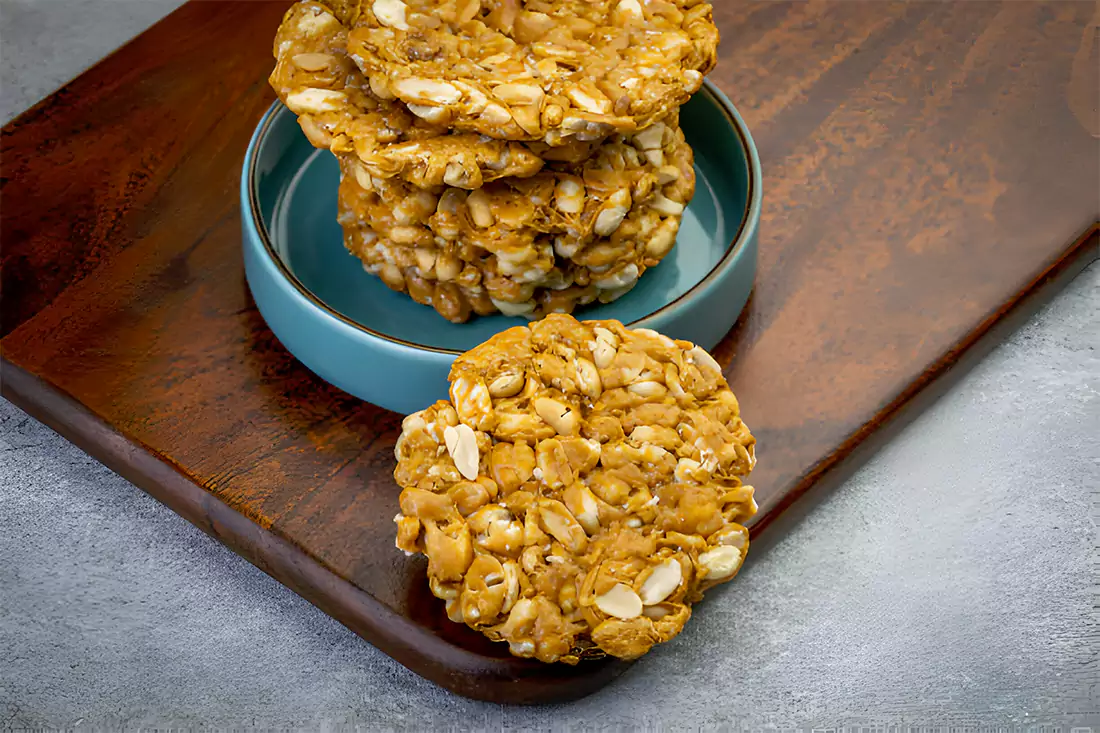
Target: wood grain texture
928,168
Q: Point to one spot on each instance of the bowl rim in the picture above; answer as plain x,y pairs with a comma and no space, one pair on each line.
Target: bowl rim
745,230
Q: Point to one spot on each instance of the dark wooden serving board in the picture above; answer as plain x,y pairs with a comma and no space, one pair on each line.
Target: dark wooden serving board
930,168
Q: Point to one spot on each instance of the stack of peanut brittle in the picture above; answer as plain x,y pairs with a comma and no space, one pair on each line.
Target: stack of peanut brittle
513,156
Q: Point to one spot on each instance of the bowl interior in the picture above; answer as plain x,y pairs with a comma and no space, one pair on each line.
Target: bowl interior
296,190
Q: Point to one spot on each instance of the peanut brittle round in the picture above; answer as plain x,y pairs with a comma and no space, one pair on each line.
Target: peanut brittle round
337,110
459,289
550,70
580,490
567,236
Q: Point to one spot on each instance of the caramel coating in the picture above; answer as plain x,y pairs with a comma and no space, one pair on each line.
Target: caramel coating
550,70
337,111
580,490
565,237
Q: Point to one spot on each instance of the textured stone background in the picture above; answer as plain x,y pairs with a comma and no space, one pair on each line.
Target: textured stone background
951,581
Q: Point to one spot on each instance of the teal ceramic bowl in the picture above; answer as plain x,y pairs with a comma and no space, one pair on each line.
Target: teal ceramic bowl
382,347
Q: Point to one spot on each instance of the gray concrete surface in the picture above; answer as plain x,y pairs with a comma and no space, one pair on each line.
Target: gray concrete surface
45,43
950,582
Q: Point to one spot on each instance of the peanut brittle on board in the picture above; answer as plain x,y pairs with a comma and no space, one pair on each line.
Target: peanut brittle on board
580,490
